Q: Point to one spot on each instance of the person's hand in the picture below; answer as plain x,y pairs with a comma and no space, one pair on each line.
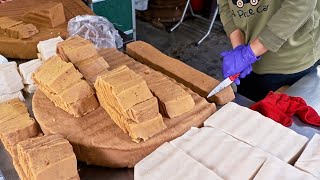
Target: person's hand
238,60
3,1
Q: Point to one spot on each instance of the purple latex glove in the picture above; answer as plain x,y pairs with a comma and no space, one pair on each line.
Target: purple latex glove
238,60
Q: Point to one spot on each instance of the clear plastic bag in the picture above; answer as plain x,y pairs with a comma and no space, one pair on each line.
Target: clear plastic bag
97,29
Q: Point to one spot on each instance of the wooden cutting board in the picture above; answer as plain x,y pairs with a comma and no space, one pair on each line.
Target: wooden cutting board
26,48
99,141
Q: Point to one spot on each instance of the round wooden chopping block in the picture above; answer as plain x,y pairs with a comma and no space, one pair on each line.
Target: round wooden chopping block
97,140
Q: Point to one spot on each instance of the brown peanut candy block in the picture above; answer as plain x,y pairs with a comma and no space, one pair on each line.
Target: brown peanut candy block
15,125
6,22
174,101
142,111
50,14
76,49
190,77
62,84
124,88
22,31
92,66
130,104
137,131
48,157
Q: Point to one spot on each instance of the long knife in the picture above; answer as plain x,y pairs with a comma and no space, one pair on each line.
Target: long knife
225,83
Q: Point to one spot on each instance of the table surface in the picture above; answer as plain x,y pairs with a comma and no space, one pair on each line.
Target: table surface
308,88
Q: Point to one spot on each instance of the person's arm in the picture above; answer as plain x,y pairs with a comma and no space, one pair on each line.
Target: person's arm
284,23
236,38
226,17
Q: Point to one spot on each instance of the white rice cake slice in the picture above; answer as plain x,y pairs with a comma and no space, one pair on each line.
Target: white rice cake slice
170,163
274,168
259,131
30,88
27,69
309,160
7,97
48,47
10,79
228,157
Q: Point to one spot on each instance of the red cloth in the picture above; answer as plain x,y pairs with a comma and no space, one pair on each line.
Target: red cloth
281,107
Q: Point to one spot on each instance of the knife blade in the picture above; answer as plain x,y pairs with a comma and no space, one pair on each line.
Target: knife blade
225,83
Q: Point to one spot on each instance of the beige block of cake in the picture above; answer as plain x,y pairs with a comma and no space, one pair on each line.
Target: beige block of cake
137,131
226,156
171,163
92,66
50,14
8,97
174,100
143,111
77,49
27,69
79,90
18,168
22,31
146,129
125,87
259,131
83,106
6,22
16,130
48,157
12,109
309,161
274,168
56,75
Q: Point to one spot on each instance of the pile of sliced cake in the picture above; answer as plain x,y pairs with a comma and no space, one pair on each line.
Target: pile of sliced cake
16,29
129,102
16,125
62,84
47,157
10,82
26,70
83,54
48,48
237,143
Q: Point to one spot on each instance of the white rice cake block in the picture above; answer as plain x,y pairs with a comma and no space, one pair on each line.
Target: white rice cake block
27,69
10,79
276,169
7,97
228,157
48,47
3,60
259,131
309,160
30,88
170,163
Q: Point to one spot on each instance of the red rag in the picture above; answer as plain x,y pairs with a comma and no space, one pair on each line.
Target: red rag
281,107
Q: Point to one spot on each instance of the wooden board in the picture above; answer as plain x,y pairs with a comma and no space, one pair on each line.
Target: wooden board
26,49
98,140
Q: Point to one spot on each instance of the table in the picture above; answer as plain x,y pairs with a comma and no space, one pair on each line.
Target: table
308,88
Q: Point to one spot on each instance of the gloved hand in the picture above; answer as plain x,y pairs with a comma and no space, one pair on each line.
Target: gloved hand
238,60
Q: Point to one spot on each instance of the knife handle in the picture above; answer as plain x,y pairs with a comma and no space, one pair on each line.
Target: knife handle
234,77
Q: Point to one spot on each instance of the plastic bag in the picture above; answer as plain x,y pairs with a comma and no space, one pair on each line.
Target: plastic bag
97,29
3,60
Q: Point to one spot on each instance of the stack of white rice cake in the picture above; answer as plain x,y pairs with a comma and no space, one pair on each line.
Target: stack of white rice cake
236,143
